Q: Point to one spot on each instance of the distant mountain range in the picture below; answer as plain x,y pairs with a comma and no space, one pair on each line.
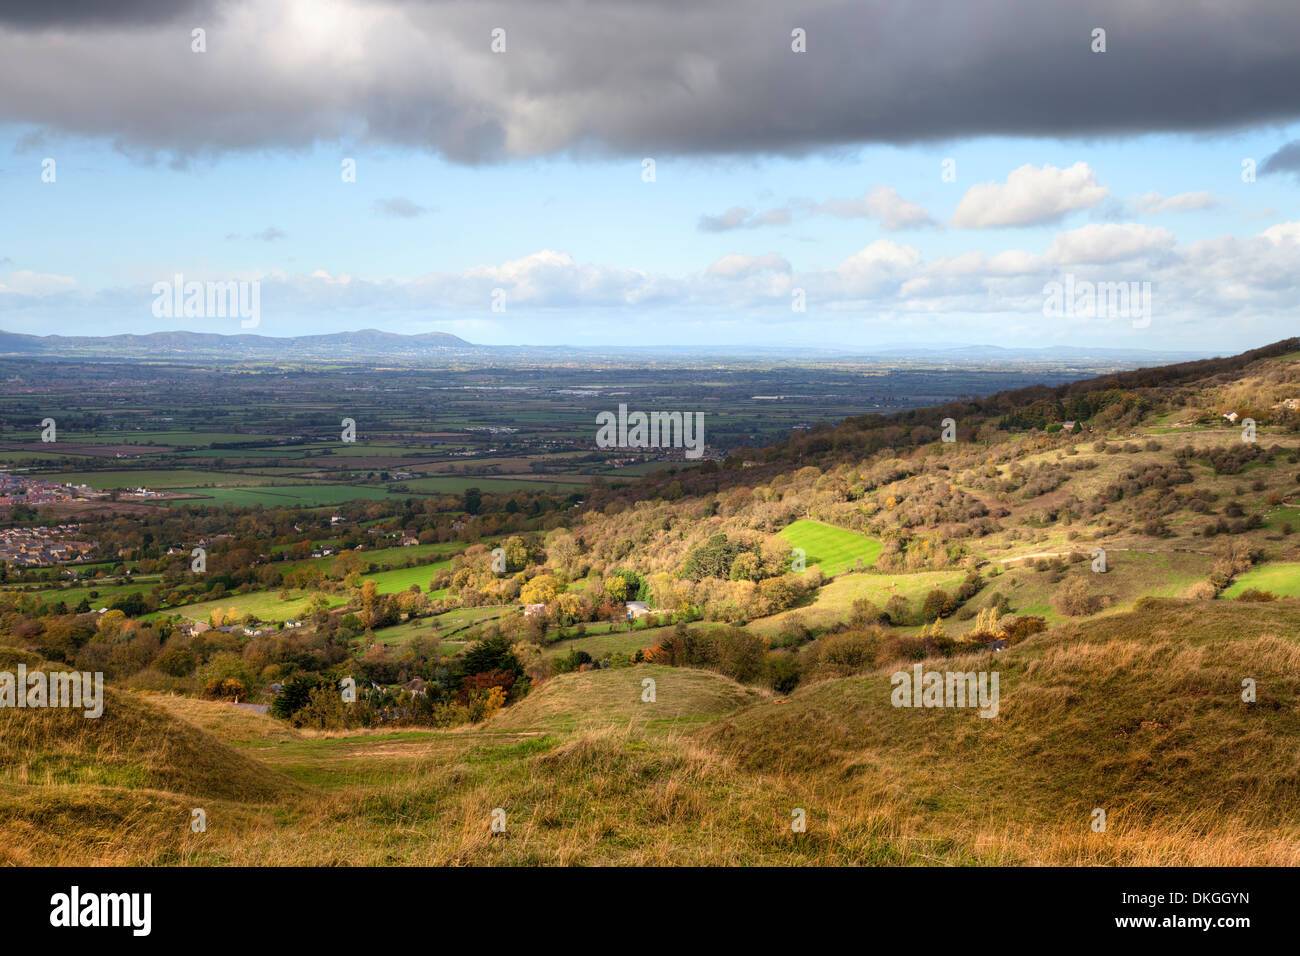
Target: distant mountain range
372,344
367,343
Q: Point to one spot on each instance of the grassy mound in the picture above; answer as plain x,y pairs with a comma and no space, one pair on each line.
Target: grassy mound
134,744
229,724
603,698
1138,714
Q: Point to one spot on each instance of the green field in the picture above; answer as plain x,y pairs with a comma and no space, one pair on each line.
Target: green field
835,550
144,477
268,606
281,495
450,485
401,579
600,646
106,594
835,600
1283,515
450,626
1282,579
265,605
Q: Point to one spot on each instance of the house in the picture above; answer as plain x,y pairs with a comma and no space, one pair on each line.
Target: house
1067,426
638,608
409,540
194,628
530,610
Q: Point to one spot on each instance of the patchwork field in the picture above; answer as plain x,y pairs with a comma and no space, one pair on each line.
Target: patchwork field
280,495
834,550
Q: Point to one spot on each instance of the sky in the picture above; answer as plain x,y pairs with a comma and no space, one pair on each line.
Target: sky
657,172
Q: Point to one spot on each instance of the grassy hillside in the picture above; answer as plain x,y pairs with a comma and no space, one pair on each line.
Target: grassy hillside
1139,714
613,697
135,745
918,550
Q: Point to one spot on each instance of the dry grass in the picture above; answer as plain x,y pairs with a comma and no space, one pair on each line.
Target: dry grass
1138,714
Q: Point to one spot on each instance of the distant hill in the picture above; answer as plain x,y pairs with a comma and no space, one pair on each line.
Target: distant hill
366,343
369,344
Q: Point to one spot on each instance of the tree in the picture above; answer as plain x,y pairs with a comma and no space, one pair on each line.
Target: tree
712,559
492,654
540,590
937,604
294,695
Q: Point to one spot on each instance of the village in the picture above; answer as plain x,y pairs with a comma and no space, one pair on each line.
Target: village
43,547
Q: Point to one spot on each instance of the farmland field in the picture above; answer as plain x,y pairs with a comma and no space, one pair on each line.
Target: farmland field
835,550
401,579
1282,579
280,495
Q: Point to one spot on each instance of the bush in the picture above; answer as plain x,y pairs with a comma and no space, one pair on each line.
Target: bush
175,661
839,655
571,661
937,604
781,671
1255,594
227,688
1022,628
864,612
294,695
1076,599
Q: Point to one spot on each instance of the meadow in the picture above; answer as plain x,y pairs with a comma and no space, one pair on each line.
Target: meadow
834,550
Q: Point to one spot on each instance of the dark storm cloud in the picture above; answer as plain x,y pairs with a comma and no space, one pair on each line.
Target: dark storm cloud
656,77
38,14
1285,160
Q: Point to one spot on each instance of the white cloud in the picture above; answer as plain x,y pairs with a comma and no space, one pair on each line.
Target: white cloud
1110,242
27,282
1249,282
1153,203
736,266
1030,196
883,203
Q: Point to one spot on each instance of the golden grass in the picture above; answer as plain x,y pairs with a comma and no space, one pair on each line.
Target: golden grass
1139,714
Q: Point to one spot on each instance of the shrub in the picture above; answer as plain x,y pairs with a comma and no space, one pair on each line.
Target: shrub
294,695
570,662
175,661
937,604
781,671
227,688
1022,628
1075,598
